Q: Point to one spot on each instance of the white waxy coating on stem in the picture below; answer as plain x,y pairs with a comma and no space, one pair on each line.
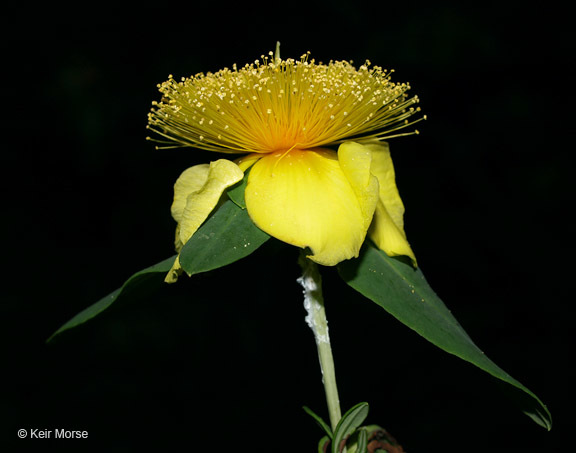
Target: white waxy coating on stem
316,319
314,307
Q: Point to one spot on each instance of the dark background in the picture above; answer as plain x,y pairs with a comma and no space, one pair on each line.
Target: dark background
224,360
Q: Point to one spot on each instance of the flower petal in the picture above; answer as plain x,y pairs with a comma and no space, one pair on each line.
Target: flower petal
196,194
191,180
356,162
200,203
305,199
387,236
387,229
246,161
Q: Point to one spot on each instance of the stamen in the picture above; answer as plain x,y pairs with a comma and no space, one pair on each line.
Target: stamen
282,157
274,104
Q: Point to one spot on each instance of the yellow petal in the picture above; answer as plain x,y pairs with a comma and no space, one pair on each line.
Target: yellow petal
383,169
388,237
200,203
196,194
305,199
174,272
387,229
356,162
245,162
191,180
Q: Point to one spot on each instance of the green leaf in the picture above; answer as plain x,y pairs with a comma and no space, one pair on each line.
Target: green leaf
348,424
227,236
143,280
362,441
322,444
404,293
319,420
236,192
358,441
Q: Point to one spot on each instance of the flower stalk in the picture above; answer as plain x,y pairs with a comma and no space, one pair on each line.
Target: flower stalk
316,319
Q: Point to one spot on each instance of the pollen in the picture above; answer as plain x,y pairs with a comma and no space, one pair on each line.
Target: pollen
275,105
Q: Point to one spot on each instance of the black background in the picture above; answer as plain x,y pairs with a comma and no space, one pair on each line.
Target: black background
224,361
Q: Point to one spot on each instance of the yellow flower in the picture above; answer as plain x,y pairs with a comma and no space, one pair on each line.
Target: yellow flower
283,116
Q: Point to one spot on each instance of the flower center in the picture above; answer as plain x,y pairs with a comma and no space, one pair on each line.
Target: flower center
276,104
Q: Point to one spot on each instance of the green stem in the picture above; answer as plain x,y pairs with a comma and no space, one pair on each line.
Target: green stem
316,319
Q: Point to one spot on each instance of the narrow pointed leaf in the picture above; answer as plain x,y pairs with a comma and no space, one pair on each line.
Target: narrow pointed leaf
348,424
143,280
319,420
362,441
227,236
403,292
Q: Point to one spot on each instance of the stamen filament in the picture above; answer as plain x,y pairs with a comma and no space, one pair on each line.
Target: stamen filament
274,104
